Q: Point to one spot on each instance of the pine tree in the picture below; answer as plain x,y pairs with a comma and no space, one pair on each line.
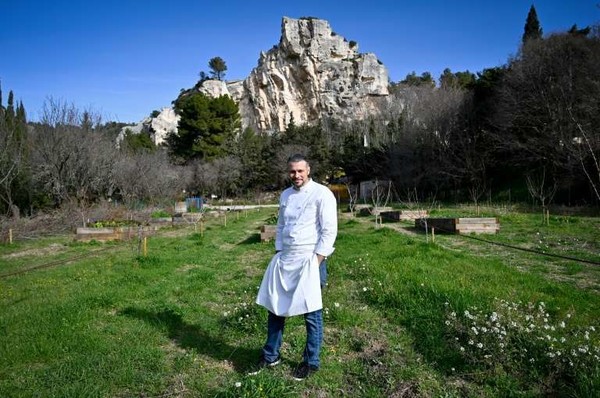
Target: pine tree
217,67
533,30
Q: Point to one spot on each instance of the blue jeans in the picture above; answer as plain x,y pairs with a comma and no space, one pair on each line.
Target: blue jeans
314,331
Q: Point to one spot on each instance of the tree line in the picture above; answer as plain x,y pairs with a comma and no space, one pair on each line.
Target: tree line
524,130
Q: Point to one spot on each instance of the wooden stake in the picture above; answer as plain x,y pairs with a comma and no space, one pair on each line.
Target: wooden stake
10,236
145,246
432,235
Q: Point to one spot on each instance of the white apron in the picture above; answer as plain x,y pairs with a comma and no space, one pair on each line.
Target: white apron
291,284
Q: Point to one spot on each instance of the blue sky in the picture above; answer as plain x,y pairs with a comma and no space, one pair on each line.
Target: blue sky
126,58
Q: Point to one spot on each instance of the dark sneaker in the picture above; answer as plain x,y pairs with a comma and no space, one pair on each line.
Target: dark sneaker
262,364
303,371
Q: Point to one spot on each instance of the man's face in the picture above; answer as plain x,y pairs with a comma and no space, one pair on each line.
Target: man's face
298,172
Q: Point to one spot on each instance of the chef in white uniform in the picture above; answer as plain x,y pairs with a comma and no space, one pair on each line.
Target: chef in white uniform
291,285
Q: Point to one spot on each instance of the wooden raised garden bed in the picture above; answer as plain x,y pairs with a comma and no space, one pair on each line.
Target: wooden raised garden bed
112,233
404,215
374,211
463,225
268,232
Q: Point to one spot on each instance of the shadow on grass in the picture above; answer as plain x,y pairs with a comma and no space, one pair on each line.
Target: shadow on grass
251,240
189,336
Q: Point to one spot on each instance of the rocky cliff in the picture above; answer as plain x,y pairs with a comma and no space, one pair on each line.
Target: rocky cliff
312,74
157,127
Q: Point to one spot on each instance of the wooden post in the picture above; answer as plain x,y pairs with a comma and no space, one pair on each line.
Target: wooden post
548,217
432,235
10,236
145,246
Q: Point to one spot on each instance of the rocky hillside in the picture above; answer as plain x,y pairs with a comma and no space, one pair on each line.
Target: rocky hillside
313,73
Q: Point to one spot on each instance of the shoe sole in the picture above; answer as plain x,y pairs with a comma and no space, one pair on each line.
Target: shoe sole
270,365
310,372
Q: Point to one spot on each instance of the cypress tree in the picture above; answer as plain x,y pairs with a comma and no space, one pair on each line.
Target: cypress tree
21,115
10,106
533,30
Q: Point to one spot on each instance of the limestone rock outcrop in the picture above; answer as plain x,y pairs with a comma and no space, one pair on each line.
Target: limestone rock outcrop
157,127
311,75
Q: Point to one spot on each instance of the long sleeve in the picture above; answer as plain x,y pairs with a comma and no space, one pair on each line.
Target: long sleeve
279,230
327,223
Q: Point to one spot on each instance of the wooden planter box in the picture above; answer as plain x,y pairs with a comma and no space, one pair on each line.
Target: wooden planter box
373,211
404,215
106,234
268,232
464,225
161,220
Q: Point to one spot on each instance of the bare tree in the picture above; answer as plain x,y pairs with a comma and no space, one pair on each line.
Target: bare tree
227,171
381,194
12,146
548,108
147,177
352,196
541,188
586,148
427,153
72,160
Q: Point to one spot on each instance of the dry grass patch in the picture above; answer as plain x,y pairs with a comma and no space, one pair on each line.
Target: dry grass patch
51,249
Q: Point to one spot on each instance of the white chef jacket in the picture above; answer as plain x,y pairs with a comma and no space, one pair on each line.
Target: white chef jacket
307,226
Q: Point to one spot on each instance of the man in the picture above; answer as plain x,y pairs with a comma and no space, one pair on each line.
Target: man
291,285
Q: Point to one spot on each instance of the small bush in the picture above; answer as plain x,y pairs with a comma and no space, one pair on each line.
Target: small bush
160,214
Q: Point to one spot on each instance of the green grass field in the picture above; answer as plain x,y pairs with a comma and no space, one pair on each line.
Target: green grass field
404,316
